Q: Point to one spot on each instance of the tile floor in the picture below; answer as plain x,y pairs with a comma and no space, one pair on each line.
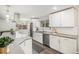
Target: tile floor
41,49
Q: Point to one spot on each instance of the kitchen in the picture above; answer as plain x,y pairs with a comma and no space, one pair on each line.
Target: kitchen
61,35
42,29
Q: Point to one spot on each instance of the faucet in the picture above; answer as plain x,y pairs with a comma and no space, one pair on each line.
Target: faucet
55,30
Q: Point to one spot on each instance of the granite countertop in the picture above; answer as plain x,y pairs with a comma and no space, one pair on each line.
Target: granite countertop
59,34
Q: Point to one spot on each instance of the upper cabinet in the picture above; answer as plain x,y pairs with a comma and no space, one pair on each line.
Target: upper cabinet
67,18
62,19
54,20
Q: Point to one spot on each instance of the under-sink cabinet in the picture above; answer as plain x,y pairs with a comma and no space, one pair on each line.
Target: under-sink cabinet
63,45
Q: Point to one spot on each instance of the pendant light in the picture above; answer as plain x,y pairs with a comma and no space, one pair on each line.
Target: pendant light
7,11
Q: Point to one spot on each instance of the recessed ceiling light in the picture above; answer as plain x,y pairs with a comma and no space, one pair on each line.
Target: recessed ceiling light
54,8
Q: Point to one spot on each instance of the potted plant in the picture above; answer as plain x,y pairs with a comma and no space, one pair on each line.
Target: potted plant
4,42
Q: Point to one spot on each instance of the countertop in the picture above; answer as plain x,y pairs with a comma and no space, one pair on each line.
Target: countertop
15,47
59,34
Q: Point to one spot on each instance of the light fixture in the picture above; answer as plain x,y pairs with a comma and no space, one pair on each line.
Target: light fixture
7,16
54,8
7,11
34,17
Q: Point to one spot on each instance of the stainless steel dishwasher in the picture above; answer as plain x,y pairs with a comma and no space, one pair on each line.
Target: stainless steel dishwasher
46,40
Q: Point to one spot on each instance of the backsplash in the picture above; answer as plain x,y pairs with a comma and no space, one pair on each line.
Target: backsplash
70,31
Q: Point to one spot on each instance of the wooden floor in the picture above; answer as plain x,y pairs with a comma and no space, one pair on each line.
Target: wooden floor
42,49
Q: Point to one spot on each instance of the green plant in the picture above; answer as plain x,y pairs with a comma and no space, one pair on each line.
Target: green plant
5,41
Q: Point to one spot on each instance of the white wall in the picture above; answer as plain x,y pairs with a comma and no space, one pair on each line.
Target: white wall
4,25
70,31
78,31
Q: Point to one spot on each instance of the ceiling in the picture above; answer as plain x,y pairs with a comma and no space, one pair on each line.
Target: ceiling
28,11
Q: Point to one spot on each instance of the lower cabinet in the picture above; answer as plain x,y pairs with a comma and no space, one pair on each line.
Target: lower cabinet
68,45
27,46
38,37
64,45
54,42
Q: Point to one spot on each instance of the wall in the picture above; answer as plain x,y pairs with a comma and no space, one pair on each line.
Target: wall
69,31
4,25
78,31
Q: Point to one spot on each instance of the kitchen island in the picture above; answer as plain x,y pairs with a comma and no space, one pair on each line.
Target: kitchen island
22,43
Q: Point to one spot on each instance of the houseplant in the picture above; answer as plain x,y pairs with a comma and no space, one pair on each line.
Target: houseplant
4,42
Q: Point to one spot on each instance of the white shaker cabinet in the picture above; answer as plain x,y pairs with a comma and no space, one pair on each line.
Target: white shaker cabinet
63,45
68,45
54,42
38,37
63,18
54,20
67,18
50,20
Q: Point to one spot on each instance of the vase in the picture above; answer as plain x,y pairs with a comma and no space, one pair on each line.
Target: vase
3,50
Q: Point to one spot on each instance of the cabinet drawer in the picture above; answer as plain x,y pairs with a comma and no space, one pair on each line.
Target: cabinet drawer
38,37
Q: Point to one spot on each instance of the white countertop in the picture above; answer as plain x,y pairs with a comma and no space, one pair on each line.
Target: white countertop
59,34
15,46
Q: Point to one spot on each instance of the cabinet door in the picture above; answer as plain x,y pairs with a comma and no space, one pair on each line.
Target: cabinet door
67,18
55,20
54,42
34,35
50,20
38,37
67,45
